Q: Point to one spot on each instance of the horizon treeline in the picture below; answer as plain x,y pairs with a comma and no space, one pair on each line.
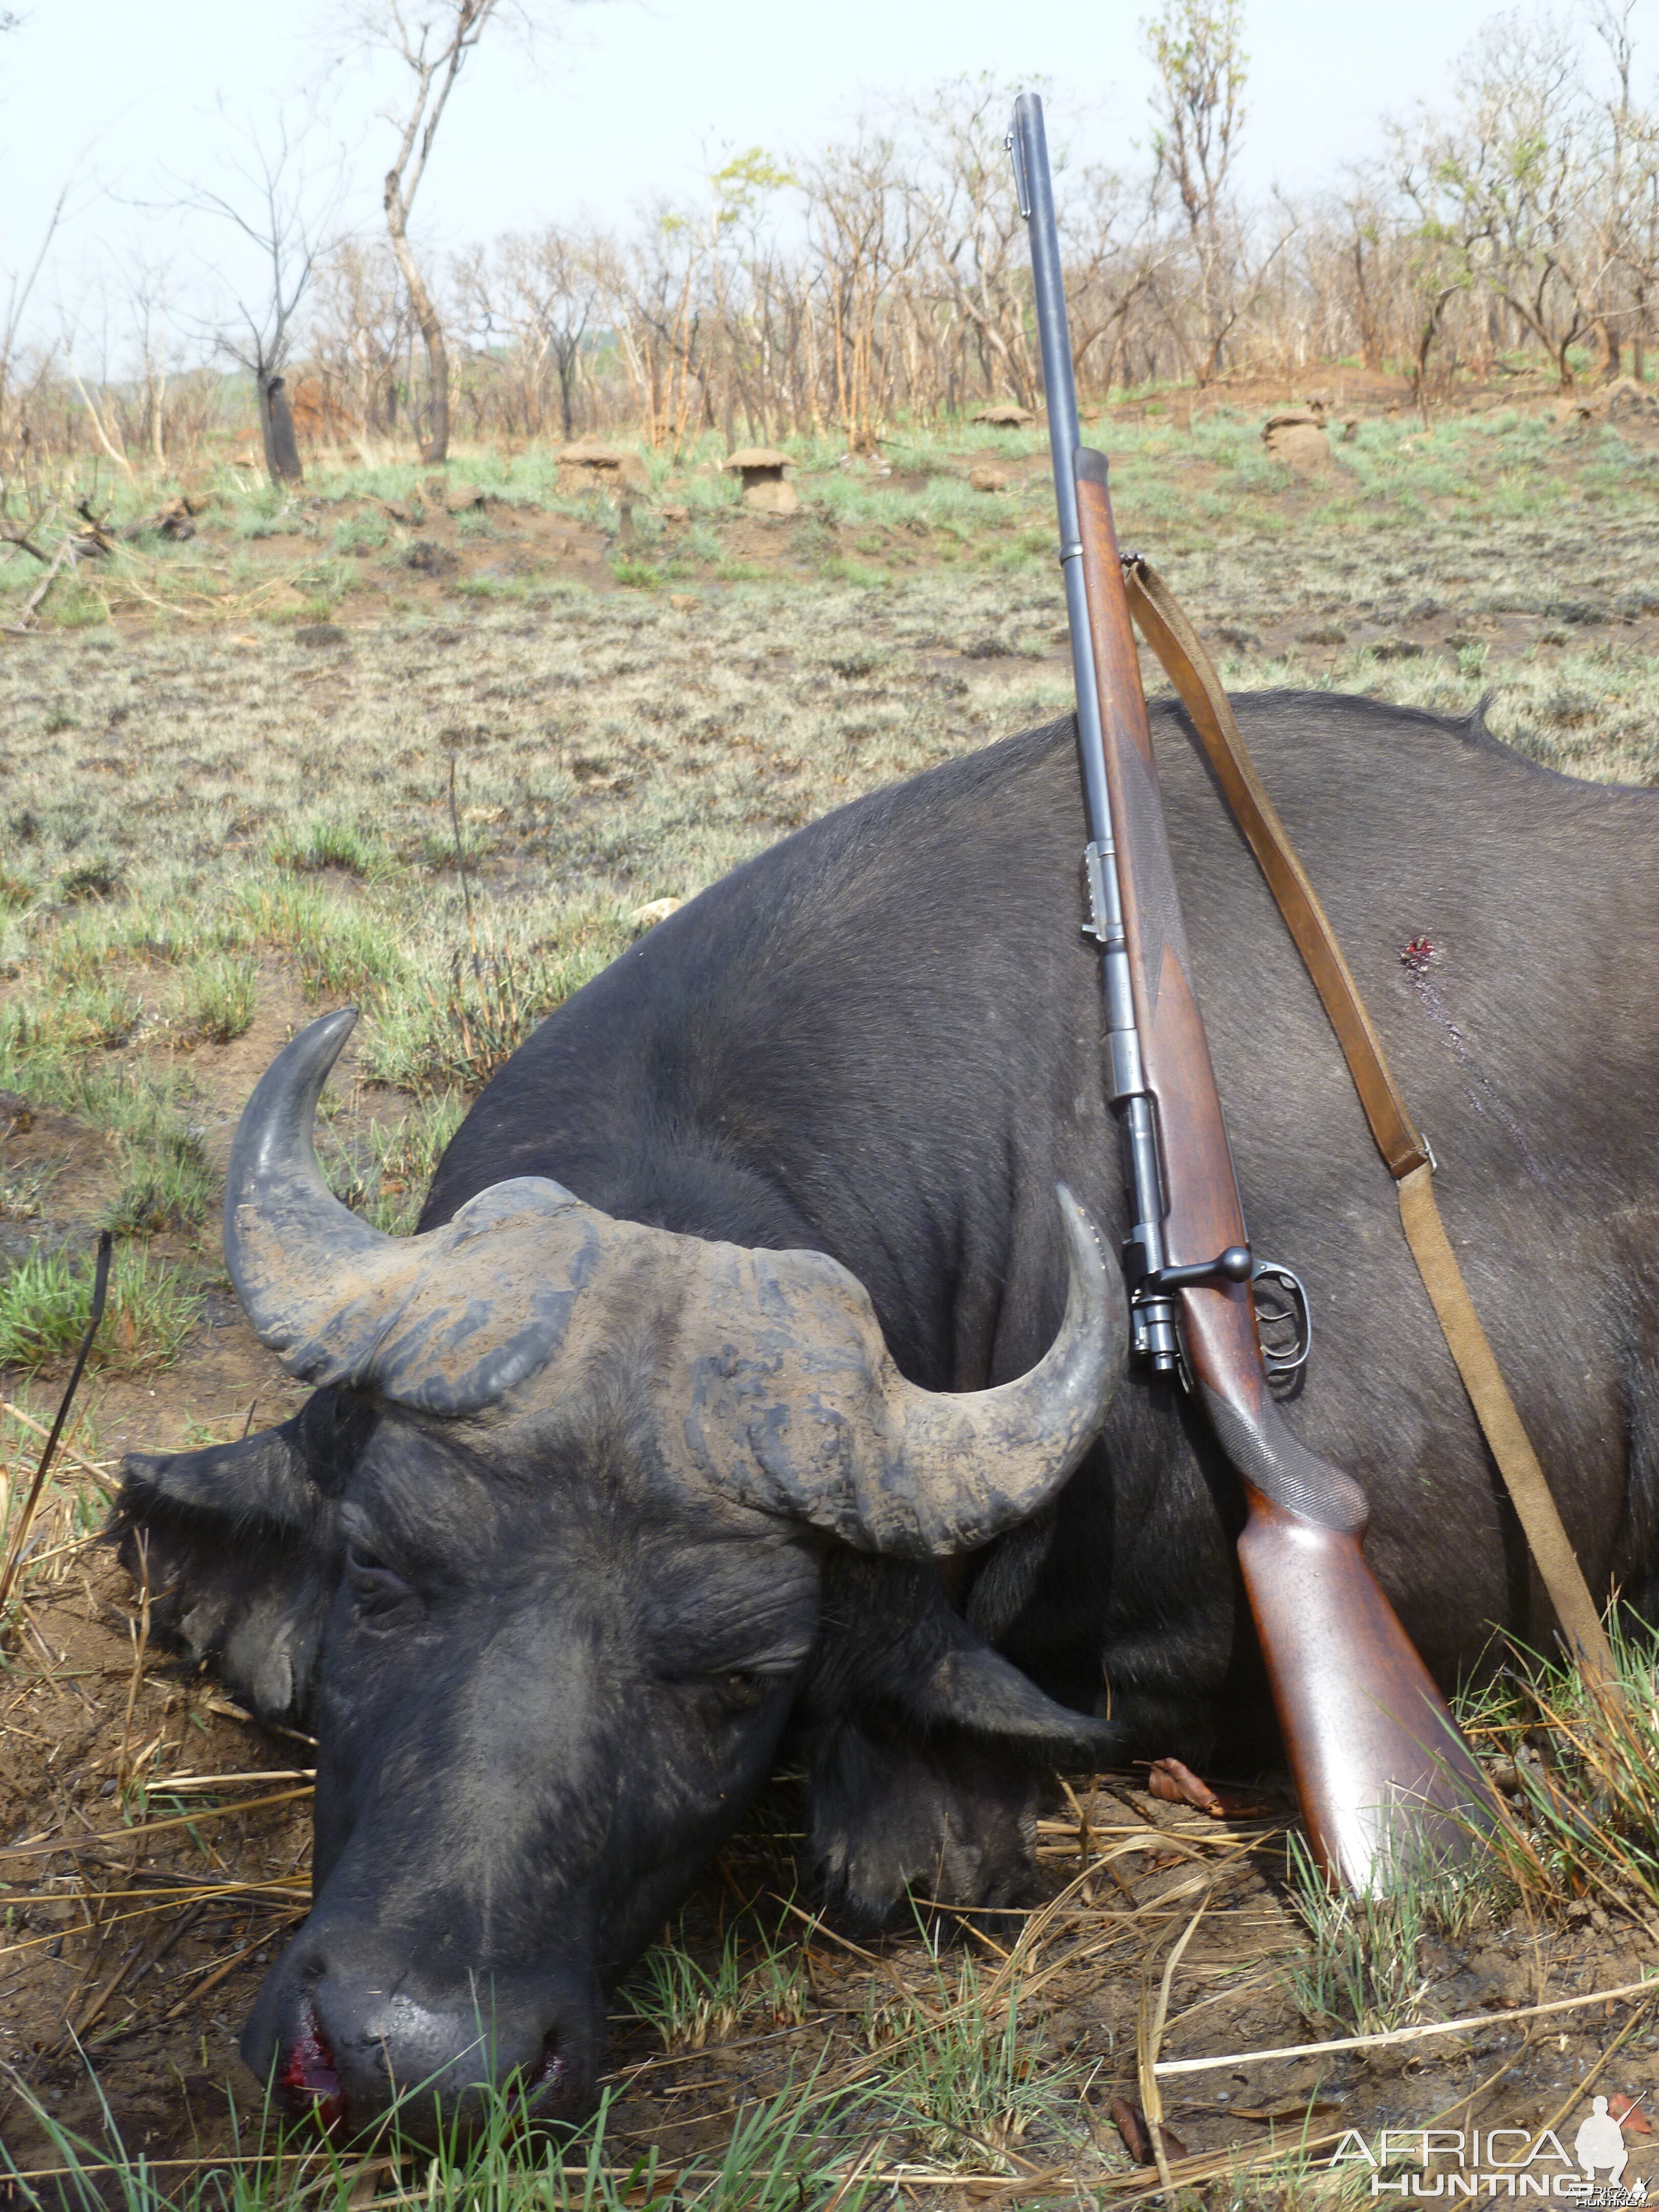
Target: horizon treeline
886,280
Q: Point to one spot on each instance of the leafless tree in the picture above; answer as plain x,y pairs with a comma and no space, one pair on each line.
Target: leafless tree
540,291
283,197
146,285
1198,107
20,284
361,334
1500,186
433,39
1625,190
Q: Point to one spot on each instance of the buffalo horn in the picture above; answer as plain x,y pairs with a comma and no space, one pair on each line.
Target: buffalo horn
785,1395
803,1410
447,1320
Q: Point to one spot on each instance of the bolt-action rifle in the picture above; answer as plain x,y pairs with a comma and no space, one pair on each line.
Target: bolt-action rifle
1385,1782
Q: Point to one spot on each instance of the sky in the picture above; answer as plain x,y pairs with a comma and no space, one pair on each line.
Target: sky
628,101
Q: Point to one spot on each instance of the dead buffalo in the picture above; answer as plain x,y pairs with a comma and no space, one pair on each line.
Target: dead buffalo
732,1382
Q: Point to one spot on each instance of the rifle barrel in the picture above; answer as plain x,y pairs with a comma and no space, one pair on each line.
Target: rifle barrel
1153,1318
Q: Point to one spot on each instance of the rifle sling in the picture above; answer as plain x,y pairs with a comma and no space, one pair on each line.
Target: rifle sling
1189,668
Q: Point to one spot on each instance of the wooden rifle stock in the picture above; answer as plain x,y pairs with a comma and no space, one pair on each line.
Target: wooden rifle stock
1384,1780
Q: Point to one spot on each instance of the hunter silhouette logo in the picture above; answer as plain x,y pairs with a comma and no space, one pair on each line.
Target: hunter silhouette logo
1601,2141
1453,2163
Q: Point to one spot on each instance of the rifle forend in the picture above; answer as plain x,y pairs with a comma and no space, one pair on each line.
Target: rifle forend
1380,1768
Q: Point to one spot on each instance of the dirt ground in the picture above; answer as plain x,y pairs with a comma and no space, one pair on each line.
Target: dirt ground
155,1841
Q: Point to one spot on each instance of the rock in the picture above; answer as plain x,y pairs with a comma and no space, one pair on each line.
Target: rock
1623,400
590,465
647,917
1003,416
320,633
1297,437
675,513
986,479
398,511
457,498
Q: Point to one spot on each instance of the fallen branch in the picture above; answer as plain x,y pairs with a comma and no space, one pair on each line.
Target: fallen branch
94,535
65,554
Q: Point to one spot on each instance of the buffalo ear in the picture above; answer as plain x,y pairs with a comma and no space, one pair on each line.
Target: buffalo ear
925,1748
894,1646
236,1546
969,1685
280,1478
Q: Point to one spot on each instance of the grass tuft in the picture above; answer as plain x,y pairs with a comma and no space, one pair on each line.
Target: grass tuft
46,1303
316,842
219,1000
967,2080
1579,1778
100,877
759,1978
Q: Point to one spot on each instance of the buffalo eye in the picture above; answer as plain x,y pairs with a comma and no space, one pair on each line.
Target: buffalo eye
740,1691
379,1592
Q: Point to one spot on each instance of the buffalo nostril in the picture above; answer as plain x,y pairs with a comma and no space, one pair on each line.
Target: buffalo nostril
547,2075
309,2079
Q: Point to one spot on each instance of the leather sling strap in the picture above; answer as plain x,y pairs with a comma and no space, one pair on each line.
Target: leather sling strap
1189,668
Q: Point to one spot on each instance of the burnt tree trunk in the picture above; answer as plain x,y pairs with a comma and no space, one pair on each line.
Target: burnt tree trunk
277,430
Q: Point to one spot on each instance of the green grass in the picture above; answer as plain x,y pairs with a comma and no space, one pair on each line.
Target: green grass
311,842
759,1977
965,2077
45,1303
219,998
169,1188
1582,1780
800,2150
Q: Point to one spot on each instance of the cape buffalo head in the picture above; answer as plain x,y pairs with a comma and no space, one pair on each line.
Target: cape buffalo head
541,1563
